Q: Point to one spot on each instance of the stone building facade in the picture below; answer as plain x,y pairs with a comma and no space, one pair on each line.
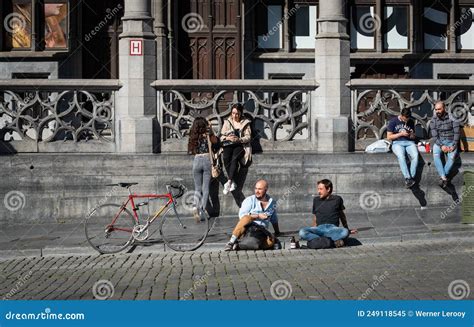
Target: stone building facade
313,75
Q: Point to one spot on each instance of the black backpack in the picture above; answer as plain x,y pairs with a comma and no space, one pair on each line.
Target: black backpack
320,243
254,238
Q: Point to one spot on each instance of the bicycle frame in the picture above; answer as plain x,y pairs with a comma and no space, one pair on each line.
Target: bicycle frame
131,199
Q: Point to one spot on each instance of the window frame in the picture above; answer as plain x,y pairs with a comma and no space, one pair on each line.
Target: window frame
384,31
446,32
68,25
292,26
352,5
265,4
38,26
457,15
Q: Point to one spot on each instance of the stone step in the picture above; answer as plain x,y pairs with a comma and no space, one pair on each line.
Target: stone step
65,187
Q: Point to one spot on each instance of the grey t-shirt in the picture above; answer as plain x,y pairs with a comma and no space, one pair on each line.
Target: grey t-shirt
328,210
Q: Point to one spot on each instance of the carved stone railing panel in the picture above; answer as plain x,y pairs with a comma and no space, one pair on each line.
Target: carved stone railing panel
279,110
46,111
375,102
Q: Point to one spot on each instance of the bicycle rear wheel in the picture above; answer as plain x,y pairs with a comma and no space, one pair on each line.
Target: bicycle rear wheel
109,229
183,233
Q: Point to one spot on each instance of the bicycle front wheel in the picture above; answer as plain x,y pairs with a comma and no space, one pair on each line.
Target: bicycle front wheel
183,233
109,228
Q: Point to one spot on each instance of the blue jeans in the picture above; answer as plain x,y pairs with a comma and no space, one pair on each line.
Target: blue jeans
443,171
327,230
401,148
202,178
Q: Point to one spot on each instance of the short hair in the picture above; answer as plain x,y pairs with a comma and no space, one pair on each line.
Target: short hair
406,112
327,184
239,108
440,102
264,181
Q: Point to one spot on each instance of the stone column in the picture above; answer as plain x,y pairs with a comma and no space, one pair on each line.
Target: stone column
330,107
136,104
160,32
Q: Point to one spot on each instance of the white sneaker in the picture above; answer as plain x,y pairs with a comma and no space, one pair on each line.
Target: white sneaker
226,188
233,186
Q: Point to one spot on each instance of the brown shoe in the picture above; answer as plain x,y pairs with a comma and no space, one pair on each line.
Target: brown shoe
339,243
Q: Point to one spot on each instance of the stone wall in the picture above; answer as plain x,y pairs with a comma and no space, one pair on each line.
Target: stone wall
64,188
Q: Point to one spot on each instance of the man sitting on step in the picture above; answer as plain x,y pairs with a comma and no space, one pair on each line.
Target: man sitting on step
328,210
401,131
257,209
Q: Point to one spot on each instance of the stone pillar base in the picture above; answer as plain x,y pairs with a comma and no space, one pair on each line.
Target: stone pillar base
136,135
332,134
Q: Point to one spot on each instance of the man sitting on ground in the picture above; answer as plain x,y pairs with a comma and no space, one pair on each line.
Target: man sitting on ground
328,210
257,209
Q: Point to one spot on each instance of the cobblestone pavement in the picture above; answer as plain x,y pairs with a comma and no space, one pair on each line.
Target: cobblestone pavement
412,270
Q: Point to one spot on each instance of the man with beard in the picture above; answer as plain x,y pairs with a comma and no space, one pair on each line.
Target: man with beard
445,132
258,209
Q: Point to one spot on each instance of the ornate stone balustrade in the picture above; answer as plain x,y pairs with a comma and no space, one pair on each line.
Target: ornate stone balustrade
279,109
57,115
375,101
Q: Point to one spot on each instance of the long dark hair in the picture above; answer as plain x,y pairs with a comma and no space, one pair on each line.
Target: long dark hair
199,128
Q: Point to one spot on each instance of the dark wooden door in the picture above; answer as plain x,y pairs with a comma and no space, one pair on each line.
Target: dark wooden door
209,39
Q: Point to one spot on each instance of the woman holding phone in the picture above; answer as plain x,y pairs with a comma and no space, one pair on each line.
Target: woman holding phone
235,138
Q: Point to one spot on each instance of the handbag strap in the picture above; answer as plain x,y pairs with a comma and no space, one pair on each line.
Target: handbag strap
231,125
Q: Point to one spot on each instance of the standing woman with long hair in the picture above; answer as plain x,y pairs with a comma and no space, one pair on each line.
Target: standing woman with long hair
198,145
236,135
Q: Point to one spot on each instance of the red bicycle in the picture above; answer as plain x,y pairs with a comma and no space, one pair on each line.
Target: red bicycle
111,227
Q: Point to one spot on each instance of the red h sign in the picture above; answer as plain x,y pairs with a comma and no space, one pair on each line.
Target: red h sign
136,47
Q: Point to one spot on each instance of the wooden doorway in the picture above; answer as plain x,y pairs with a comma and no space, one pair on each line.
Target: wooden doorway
209,39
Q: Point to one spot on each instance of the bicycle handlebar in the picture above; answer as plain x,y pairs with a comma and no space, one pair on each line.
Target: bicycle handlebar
177,186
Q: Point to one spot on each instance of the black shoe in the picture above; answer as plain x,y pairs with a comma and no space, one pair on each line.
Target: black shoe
443,183
409,182
229,246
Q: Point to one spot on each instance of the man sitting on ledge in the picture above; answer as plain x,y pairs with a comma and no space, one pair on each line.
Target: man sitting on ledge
328,210
257,209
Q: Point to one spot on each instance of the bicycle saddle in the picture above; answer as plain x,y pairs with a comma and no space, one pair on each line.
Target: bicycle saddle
127,185
176,183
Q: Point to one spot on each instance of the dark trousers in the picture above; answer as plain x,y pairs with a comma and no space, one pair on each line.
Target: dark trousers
232,155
